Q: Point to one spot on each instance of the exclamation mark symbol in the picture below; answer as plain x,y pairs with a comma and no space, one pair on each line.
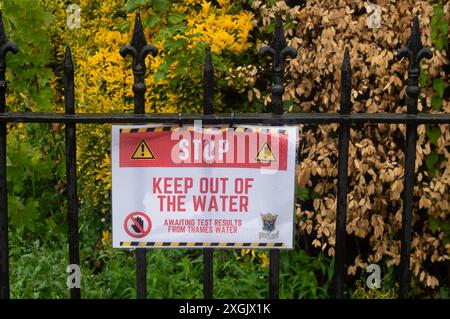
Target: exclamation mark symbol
266,150
142,150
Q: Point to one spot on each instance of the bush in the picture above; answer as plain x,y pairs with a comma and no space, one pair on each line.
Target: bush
320,32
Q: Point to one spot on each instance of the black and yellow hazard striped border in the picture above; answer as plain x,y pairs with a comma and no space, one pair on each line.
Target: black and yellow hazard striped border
197,244
148,129
266,130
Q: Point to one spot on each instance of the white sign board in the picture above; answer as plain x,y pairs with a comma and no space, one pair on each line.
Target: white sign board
195,187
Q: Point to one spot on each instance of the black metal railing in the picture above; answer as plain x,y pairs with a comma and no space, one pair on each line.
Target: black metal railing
278,50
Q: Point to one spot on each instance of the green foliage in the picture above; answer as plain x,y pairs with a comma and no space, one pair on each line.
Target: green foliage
439,38
160,6
439,88
305,276
27,25
388,290
439,28
433,162
237,277
439,34
433,133
34,160
303,194
33,173
439,225
38,271
443,293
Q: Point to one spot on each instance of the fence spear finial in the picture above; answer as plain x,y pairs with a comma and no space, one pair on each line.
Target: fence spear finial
138,49
68,63
415,52
346,83
69,83
5,45
278,50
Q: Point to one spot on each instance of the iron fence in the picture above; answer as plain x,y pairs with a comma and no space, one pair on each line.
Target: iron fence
279,51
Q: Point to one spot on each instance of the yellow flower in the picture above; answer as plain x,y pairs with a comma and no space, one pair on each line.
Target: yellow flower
205,7
264,259
248,251
224,3
106,238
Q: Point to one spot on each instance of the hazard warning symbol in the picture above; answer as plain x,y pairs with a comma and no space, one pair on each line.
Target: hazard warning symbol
137,225
265,154
143,152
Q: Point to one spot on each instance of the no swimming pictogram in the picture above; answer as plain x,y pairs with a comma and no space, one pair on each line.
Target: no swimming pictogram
137,225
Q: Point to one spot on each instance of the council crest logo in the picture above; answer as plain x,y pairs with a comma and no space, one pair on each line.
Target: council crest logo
268,227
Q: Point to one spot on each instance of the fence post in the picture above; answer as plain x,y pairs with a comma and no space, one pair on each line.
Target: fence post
139,49
71,168
278,50
341,213
415,52
208,109
5,47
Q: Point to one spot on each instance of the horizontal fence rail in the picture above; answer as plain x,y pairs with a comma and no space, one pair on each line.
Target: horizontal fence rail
227,118
278,50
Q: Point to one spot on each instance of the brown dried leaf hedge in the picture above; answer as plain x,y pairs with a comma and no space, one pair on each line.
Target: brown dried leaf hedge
321,31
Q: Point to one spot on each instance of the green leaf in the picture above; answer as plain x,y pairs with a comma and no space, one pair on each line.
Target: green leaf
436,102
161,5
174,45
433,133
443,293
270,28
303,194
23,216
175,18
124,26
287,104
439,28
151,21
439,87
431,161
423,78
134,4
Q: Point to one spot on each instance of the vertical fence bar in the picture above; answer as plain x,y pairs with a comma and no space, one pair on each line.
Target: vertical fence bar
208,109
71,167
414,52
5,47
274,273
278,50
139,49
341,213
208,74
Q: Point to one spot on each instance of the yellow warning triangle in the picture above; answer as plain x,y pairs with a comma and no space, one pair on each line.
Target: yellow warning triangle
143,152
265,154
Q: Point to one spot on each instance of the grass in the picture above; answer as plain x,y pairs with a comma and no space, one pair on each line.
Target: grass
38,270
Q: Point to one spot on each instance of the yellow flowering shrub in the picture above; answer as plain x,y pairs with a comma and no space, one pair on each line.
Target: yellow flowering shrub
103,79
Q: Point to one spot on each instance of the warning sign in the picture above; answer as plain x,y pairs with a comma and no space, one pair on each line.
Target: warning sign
265,154
142,152
203,187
